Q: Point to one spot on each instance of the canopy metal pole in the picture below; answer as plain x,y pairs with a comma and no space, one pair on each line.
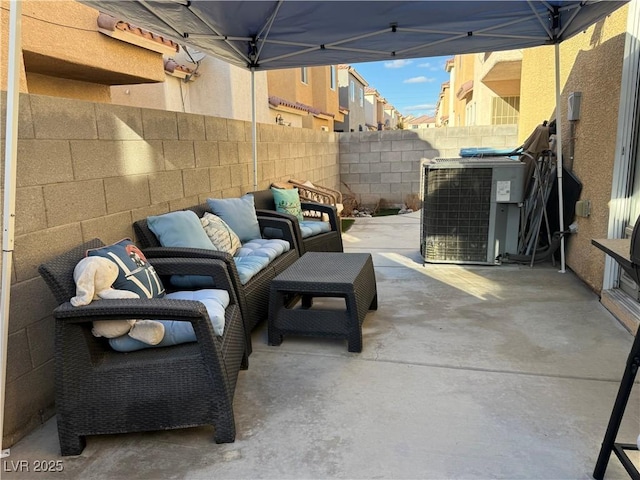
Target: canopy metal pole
559,158
9,214
254,129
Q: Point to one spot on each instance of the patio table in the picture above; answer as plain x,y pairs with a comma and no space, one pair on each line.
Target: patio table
323,274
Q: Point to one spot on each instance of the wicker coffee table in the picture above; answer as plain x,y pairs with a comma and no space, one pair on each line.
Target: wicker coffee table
323,274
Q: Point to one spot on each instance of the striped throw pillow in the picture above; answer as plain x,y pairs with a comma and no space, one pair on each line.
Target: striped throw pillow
223,238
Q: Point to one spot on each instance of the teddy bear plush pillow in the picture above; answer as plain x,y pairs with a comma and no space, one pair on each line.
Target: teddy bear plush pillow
122,271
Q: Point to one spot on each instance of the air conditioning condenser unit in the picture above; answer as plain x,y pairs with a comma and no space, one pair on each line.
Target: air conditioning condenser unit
471,209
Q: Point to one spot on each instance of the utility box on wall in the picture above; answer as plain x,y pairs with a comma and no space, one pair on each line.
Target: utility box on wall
573,108
471,209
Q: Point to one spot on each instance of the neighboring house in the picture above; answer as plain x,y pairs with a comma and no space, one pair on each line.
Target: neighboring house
373,108
351,86
391,116
201,84
497,80
379,114
442,106
486,88
305,97
419,123
72,51
64,55
462,89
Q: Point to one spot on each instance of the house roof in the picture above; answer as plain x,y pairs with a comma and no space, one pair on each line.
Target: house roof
278,101
421,119
465,89
130,33
175,69
354,72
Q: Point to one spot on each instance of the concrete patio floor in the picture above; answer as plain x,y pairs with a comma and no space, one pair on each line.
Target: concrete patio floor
466,372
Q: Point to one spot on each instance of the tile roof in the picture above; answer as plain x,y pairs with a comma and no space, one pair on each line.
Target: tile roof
174,68
465,89
421,119
116,28
277,101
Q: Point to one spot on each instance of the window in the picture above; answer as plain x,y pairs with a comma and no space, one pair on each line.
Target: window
303,72
352,91
361,96
470,114
332,80
505,110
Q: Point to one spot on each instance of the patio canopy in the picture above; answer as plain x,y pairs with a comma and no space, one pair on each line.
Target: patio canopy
282,34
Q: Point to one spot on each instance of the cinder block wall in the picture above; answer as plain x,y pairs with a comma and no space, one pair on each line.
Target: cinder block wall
90,170
384,166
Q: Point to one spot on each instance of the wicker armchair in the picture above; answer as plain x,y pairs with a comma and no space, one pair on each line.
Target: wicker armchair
330,241
101,391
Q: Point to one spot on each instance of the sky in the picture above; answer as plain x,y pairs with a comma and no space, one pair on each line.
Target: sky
411,86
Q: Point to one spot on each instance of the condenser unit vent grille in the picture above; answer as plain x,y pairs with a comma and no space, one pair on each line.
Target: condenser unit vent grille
456,214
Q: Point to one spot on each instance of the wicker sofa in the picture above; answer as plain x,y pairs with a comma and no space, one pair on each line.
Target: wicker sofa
253,296
101,391
330,241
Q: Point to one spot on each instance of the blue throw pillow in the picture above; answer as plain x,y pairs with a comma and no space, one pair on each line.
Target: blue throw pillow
239,214
180,229
287,200
135,273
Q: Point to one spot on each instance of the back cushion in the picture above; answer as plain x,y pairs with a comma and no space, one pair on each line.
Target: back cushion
239,214
179,229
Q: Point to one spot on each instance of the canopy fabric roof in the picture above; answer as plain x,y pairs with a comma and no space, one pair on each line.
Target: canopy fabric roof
291,33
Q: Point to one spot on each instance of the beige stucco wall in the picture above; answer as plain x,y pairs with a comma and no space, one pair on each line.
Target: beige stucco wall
67,31
153,95
286,83
63,87
4,50
89,170
591,63
219,89
324,97
482,95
